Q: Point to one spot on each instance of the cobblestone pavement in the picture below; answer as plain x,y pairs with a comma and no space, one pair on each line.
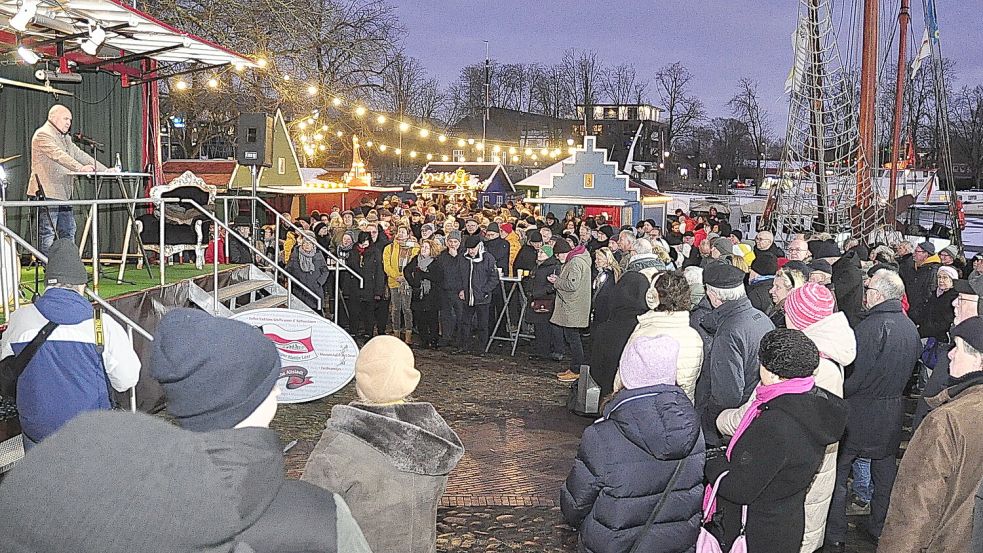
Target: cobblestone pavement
520,441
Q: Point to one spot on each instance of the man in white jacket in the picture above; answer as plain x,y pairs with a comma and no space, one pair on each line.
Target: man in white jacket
809,308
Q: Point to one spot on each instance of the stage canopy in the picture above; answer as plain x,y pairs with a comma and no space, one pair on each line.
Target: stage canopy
99,33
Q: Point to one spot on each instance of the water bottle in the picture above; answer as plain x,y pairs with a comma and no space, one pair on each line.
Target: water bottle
119,164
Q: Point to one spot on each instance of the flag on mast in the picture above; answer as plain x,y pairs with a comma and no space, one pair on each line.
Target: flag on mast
800,56
923,53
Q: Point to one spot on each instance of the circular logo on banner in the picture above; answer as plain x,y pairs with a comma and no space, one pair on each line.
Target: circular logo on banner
317,357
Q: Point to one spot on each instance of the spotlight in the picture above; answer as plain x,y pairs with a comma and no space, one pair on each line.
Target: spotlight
27,55
28,9
96,37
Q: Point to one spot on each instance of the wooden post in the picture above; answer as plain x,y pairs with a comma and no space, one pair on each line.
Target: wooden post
868,97
903,18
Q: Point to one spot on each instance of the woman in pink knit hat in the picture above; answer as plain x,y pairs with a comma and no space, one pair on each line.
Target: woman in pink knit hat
811,309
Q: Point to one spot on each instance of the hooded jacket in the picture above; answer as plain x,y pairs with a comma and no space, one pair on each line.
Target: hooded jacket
932,501
837,347
887,348
120,482
573,291
67,375
676,325
772,465
611,336
623,468
479,277
390,463
730,367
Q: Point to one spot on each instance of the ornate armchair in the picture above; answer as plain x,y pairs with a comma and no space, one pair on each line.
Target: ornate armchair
183,224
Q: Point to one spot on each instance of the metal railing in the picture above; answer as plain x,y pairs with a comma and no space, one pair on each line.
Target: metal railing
291,280
131,326
337,262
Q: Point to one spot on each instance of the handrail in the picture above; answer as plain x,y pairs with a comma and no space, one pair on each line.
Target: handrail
130,324
298,230
228,231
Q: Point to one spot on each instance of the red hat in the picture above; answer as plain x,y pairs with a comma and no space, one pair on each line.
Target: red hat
808,304
506,228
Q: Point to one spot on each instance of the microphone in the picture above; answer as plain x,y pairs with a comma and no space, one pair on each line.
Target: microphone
84,140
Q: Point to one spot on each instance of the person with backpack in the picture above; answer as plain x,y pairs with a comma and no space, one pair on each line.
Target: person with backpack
637,482
76,368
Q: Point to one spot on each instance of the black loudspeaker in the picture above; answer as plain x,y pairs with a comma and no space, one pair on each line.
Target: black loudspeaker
255,140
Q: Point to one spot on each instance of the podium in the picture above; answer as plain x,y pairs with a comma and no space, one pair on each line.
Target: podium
127,183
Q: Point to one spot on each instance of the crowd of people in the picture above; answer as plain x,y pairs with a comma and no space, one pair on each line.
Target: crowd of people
750,392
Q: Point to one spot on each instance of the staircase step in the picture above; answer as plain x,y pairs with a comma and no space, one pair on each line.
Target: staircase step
268,301
241,288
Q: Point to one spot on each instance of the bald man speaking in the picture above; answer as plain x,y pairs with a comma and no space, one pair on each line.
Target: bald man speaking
53,156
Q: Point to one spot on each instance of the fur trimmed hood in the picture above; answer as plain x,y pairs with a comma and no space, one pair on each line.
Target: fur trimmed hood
412,435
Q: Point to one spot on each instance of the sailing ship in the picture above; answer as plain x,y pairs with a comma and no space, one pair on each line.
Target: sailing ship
830,177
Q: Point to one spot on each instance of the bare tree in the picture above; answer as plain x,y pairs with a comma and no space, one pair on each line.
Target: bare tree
966,118
549,93
683,110
620,85
747,109
583,75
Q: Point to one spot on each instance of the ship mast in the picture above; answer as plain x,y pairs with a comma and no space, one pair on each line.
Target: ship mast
903,19
868,97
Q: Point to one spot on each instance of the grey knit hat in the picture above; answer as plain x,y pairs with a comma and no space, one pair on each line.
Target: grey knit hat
454,235
65,264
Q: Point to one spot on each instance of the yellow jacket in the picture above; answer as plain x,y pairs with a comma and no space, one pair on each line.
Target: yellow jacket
515,246
390,263
288,246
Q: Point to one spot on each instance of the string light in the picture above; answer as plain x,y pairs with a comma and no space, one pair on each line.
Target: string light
460,143
429,157
381,120
569,142
444,158
404,126
262,63
424,133
182,85
398,151
336,101
369,143
412,154
382,148
311,90
360,111
441,139
286,78
213,83
339,134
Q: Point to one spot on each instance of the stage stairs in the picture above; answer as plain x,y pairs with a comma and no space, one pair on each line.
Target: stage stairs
260,290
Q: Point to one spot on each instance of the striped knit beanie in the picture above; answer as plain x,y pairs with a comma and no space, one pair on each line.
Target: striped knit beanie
808,304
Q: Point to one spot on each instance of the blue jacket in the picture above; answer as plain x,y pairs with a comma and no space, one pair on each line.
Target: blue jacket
66,377
624,464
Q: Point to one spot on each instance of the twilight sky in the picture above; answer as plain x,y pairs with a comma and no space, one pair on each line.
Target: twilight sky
720,41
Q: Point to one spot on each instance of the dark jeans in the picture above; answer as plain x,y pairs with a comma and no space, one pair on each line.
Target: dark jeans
497,305
571,337
375,315
426,326
549,339
64,226
475,320
451,318
882,475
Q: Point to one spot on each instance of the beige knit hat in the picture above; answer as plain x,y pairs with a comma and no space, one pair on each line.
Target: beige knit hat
384,370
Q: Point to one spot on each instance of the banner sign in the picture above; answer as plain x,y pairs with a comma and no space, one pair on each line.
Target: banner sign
317,356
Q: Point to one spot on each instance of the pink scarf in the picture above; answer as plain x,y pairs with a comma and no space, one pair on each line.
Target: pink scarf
762,394
577,251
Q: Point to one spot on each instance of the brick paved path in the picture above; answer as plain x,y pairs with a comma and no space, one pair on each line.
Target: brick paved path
520,443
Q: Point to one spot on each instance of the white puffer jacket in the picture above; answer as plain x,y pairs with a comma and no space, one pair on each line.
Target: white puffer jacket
837,347
676,325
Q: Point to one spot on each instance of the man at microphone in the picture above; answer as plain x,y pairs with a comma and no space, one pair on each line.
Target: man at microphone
53,157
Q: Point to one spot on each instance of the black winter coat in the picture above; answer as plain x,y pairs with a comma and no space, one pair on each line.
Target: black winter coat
452,270
368,264
348,284
239,252
601,299
415,277
848,287
623,467
499,249
758,294
539,287
609,338
939,315
924,283
526,259
887,348
771,467
313,280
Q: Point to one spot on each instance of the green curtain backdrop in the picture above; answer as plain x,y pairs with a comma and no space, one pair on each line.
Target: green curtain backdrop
101,109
